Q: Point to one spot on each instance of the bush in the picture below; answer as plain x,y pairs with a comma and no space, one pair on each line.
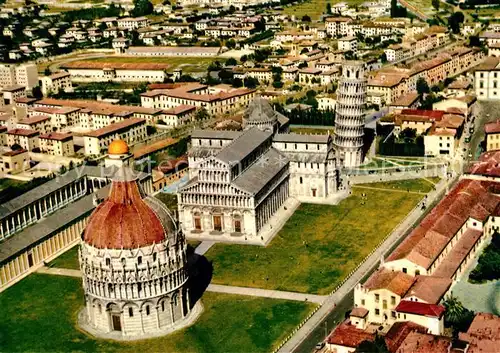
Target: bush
488,266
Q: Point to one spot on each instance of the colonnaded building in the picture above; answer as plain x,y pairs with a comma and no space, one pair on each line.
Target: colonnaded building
133,261
239,180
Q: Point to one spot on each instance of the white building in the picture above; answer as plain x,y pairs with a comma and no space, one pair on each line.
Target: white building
147,248
24,75
239,180
55,83
487,79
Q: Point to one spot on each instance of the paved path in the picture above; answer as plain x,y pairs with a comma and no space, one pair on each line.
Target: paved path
60,271
266,293
366,267
387,189
204,247
254,292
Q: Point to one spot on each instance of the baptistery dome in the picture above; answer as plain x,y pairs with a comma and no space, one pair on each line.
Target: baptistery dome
133,261
126,220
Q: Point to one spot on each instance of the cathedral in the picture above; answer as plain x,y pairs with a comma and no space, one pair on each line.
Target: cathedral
239,179
133,262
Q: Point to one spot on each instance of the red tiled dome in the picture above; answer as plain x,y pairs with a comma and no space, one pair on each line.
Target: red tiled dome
124,220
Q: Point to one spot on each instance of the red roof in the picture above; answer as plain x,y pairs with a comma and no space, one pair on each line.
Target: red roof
123,220
399,331
434,114
492,128
23,132
112,128
58,136
418,308
348,335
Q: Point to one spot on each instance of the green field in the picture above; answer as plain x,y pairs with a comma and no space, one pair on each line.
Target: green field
414,185
318,246
187,64
39,315
377,163
69,259
315,8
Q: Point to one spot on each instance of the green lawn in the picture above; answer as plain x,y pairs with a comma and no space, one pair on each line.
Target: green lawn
318,246
39,315
416,185
377,163
187,64
315,8
69,259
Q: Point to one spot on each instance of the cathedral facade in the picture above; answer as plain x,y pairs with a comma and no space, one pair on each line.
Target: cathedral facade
240,179
133,262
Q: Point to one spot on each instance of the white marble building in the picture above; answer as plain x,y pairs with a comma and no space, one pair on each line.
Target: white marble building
240,179
133,261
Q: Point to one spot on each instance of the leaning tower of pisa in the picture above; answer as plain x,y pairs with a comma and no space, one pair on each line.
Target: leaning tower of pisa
350,114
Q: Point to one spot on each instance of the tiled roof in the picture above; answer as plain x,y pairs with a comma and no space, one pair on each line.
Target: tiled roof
394,281
114,65
418,308
34,119
417,342
57,136
426,242
348,335
483,334
23,132
433,114
179,109
429,288
359,312
492,128
112,128
456,256
406,100
398,332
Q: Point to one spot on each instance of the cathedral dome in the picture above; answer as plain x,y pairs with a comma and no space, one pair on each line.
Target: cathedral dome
118,147
260,110
127,220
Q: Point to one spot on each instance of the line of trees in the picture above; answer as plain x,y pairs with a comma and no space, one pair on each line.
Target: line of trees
488,266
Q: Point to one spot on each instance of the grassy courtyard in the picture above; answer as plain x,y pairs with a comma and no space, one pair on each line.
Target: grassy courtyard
69,259
187,64
413,185
318,246
315,8
39,315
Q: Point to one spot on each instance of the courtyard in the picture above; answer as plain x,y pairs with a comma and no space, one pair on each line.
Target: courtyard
39,315
319,245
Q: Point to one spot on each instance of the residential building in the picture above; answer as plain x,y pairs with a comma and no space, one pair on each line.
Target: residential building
57,144
492,132
15,161
40,123
27,139
487,79
55,83
131,130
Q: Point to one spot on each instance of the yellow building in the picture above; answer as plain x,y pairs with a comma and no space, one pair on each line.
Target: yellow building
131,130
492,131
57,144
14,161
27,139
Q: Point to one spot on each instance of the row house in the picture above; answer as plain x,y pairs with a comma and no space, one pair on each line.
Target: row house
337,26
291,36
131,23
27,139
40,123
57,144
131,130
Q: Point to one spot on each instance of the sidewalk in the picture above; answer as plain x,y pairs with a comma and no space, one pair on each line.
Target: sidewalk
266,293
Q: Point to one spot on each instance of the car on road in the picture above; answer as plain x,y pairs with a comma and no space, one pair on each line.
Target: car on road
319,346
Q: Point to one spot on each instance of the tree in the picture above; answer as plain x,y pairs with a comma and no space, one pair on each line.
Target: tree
306,18
277,84
408,133
435,4
230,43
142,8
455,20
201,114
47,72
37,92
328,8
456,315
474,41
422,86
376,346
383,58
231,62
250,82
